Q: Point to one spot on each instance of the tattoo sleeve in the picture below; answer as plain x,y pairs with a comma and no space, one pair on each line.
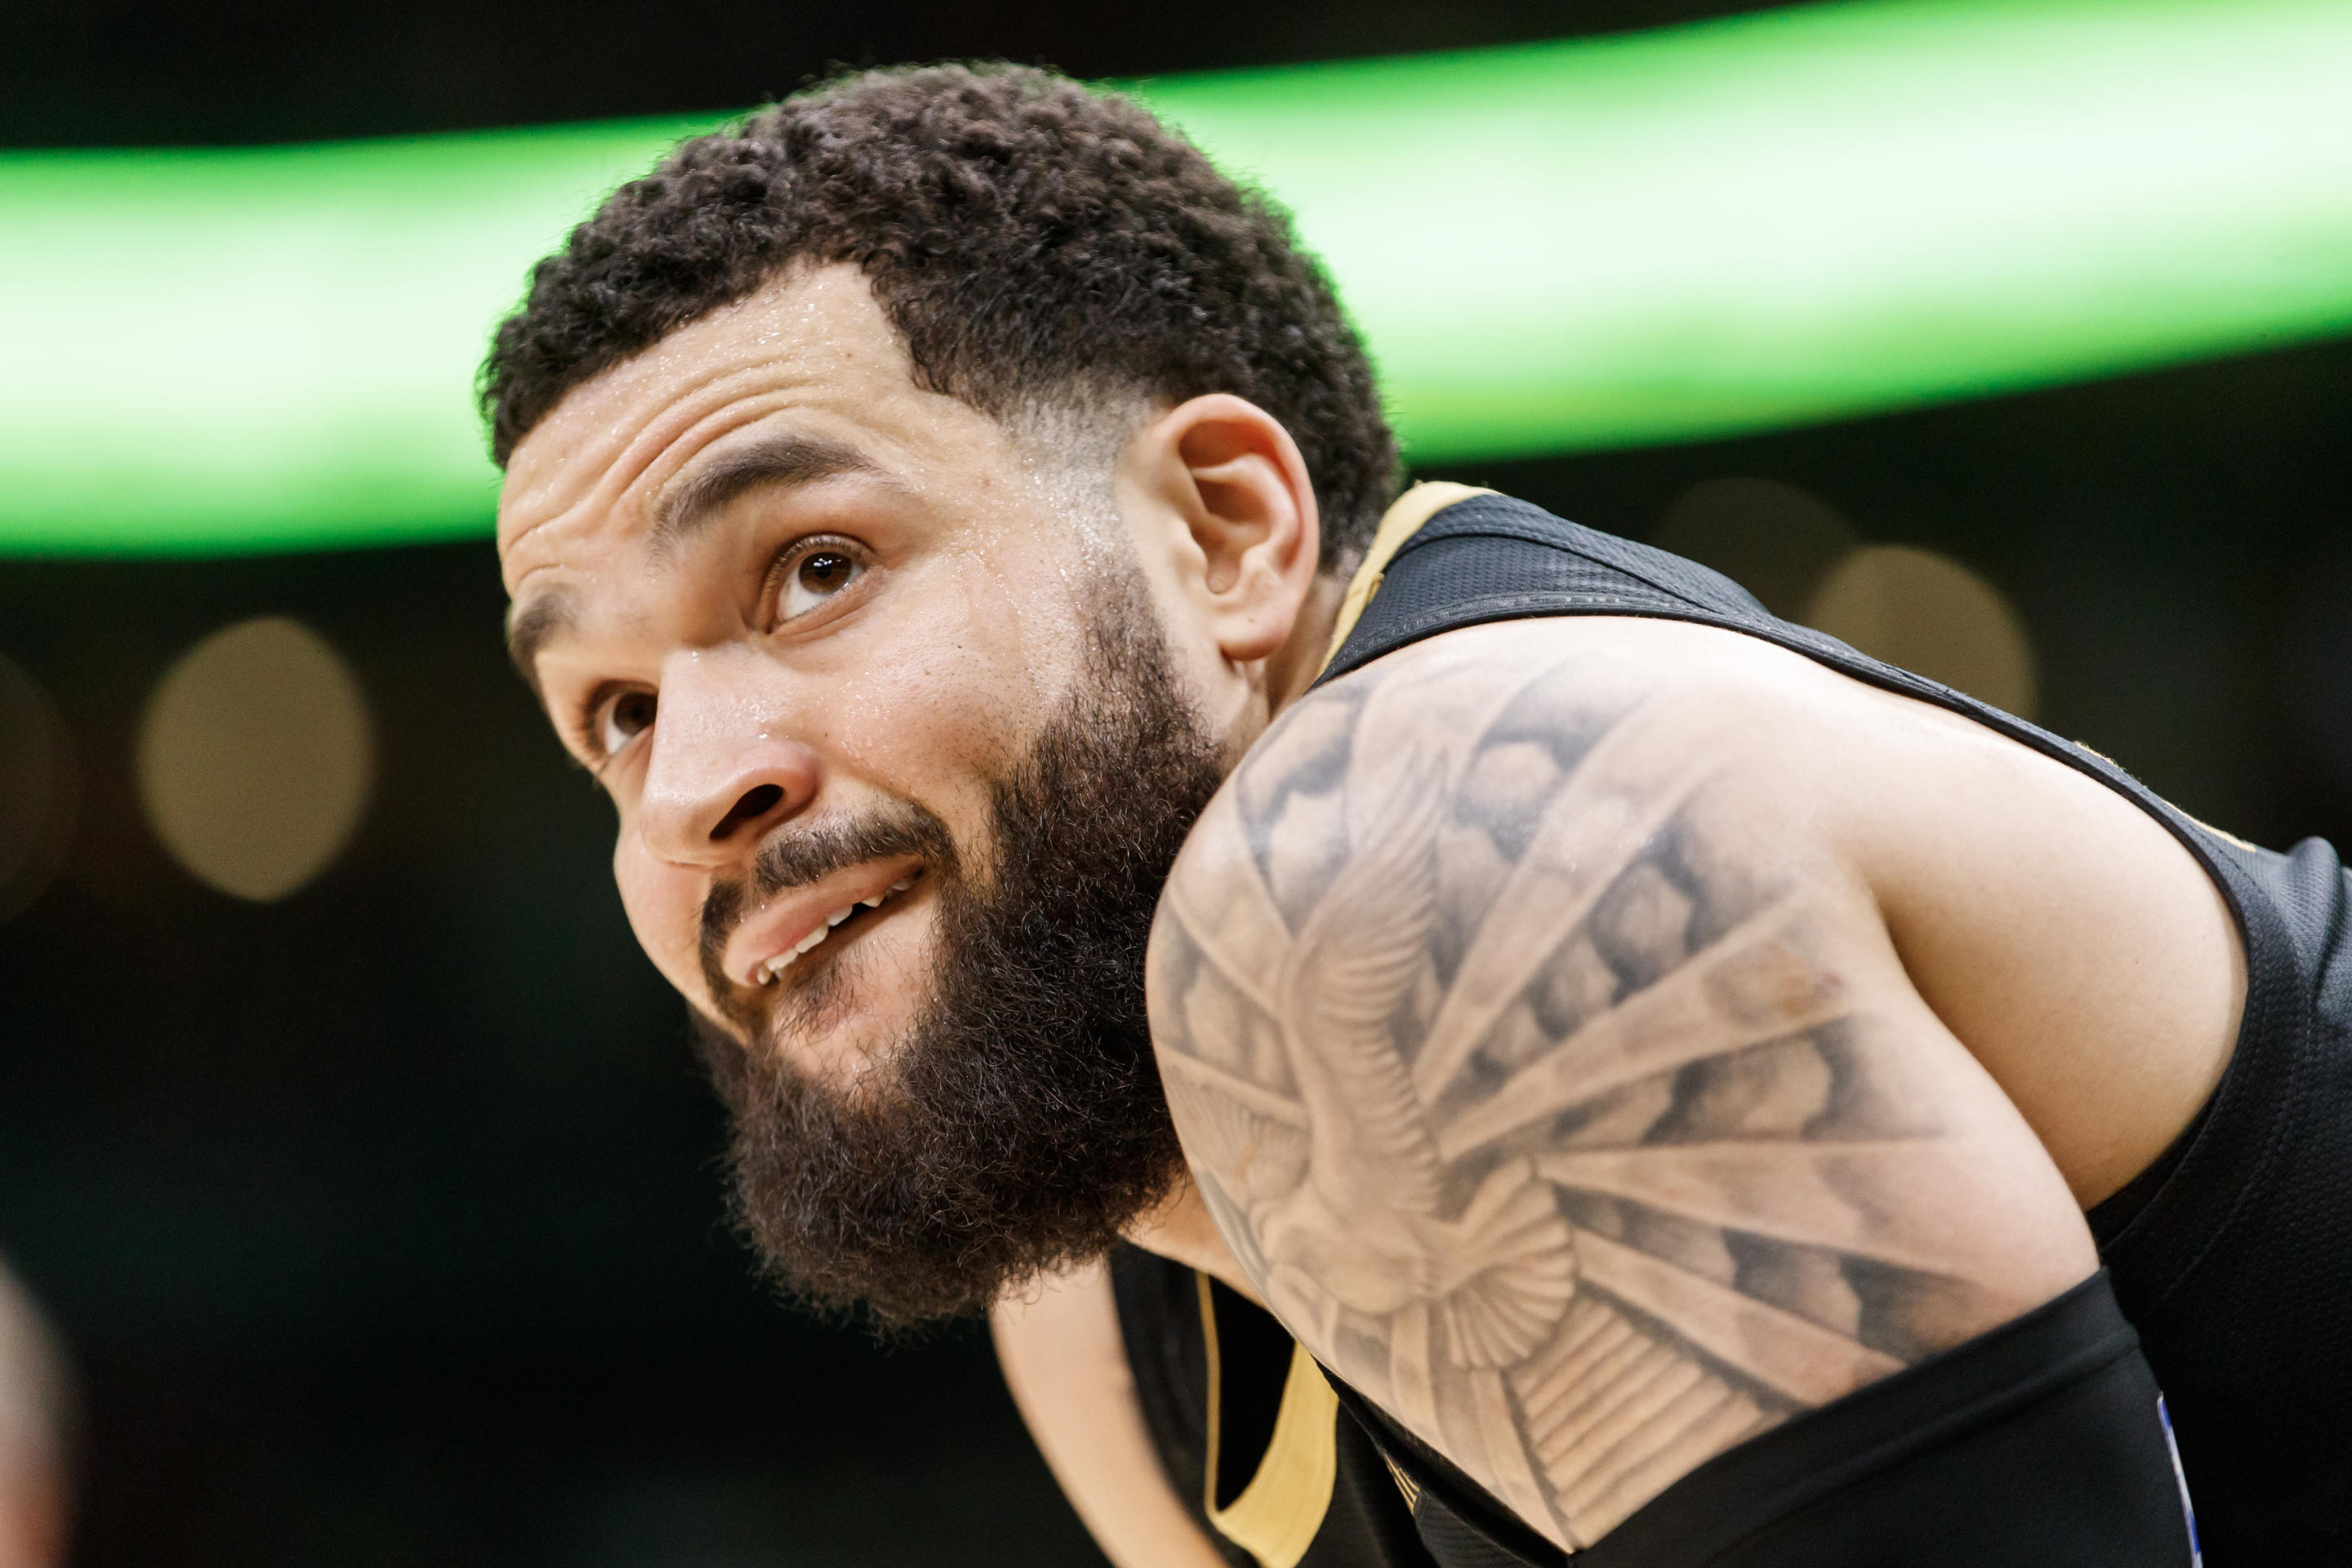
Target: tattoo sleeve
1545,1094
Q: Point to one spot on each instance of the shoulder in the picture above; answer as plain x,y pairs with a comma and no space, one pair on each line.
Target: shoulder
1520,995
1497,718
2059,930
1540,801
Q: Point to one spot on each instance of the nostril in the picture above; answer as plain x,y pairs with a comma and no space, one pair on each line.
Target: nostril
754,805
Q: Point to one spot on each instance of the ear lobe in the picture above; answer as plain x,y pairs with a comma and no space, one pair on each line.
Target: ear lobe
1249,509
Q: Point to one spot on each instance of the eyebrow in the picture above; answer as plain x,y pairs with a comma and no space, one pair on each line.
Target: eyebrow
780,460
784,461
530,627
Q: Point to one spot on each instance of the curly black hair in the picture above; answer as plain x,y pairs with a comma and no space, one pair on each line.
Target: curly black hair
1035,244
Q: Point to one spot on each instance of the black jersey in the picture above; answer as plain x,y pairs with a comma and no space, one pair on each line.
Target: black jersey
2231,1258
2041,1443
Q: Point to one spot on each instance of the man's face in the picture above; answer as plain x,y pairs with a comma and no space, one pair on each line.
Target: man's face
900,754
761,579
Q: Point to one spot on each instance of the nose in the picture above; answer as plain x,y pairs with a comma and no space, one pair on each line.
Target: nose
720,776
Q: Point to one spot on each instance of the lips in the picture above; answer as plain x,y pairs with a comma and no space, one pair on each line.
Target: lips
769,943
767,974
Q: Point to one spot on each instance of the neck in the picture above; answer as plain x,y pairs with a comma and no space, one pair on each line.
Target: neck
1301,658
1179,1229
1296,664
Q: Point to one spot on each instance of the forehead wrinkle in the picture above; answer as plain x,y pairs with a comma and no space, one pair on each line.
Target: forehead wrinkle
643,419
784,461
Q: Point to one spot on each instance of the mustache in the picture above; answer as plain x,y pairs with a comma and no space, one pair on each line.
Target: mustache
803,854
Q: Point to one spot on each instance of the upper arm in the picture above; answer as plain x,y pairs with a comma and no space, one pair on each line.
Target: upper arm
1557,1084
2062,933
1065,1363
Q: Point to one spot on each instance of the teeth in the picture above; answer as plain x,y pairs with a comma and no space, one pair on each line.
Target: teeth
775,966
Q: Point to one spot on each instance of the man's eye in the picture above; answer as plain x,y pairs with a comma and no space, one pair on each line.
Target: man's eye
624,718
816,578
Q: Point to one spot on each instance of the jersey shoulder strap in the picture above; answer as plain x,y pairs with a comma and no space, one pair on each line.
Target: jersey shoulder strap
1448,556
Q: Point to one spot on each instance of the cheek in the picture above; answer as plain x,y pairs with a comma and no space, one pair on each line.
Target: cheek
952,696
665,908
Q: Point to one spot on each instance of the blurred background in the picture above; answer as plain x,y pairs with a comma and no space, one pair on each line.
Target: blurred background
354,1151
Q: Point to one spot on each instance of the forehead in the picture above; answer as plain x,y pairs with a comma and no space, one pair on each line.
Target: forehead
811,353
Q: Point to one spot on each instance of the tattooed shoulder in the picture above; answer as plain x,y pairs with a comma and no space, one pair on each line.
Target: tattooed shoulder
1559,1097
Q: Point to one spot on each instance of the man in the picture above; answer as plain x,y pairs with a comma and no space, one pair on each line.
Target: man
1654,1061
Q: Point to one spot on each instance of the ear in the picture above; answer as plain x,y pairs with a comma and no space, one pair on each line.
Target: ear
1237,515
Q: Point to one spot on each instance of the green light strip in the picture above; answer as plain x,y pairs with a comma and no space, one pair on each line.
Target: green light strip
1783,217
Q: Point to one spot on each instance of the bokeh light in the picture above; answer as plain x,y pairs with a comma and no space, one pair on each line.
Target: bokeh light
36,790
1774,540
1928,614
255,757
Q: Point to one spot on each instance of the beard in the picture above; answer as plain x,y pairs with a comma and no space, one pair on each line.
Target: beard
1020,1124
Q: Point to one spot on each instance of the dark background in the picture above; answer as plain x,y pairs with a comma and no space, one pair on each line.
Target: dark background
384,1221
152,72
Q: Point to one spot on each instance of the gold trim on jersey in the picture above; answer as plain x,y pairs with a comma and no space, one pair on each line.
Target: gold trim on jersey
1276,1516
1400,523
